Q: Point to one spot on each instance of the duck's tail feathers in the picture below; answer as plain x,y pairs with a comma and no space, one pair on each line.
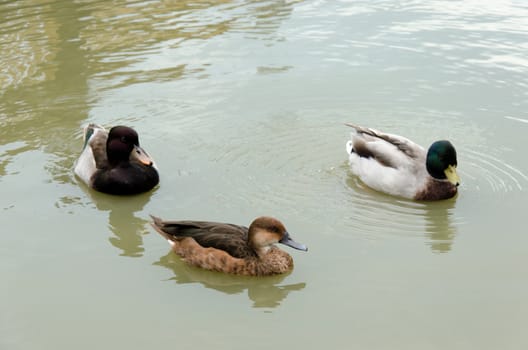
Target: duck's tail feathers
88,131
353,126
363,130
157,224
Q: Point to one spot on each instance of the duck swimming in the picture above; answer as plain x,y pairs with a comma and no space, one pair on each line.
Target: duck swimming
397,166
113,162
231,248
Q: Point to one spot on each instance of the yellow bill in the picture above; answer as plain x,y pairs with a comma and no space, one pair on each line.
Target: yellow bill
452,175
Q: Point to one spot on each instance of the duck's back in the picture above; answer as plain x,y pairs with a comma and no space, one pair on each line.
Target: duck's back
389,149
387,162
227,237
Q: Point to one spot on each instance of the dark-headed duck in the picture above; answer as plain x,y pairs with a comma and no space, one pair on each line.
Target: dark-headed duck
231,248
112,162
397,166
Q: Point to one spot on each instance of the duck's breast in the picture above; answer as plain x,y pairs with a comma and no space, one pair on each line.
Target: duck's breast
124,180
275,262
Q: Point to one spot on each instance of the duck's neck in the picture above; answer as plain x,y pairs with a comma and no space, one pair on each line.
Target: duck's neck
434,189
118,161
262,251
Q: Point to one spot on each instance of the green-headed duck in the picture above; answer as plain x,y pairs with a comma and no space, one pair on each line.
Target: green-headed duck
397,166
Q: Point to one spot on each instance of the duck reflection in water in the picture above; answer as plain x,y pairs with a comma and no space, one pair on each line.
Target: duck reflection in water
434,219
439,226
128,229
264,292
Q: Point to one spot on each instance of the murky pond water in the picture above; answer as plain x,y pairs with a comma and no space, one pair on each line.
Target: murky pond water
242,104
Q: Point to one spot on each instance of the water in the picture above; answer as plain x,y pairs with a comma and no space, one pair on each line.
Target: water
242,104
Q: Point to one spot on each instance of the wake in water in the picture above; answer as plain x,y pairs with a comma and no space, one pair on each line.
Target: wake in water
497,175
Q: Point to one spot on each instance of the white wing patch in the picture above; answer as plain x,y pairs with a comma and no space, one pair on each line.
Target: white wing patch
85,165
403,175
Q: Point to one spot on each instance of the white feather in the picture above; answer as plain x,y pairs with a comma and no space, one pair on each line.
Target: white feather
85,165
401,180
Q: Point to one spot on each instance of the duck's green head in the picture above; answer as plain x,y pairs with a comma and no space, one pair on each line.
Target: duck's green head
442,162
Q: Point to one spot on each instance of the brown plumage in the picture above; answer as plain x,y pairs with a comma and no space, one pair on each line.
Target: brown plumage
231,248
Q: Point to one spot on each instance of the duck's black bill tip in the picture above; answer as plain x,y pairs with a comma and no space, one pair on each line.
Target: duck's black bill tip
286,240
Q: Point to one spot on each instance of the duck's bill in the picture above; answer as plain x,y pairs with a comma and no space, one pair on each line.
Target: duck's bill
141,156
452,175
286,240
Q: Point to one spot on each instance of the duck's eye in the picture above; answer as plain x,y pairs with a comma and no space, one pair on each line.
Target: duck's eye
123,139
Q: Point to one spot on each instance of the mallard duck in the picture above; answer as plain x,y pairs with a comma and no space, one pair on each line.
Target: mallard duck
397,166
112,162
231,248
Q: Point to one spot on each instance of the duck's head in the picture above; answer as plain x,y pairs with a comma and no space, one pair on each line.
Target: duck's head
265,231
442,162
122,145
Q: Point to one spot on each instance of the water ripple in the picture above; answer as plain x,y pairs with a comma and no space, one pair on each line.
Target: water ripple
281,170
377,217
493,32
484,170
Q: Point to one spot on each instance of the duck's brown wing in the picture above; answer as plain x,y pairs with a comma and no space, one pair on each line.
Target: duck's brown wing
227,237
404,145
95,137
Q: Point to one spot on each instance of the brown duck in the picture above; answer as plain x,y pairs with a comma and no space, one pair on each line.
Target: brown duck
231,248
